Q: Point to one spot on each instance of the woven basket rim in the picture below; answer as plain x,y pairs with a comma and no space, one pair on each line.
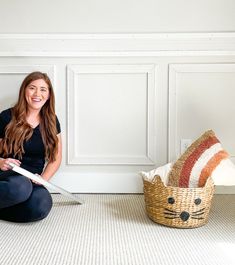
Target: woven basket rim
156,178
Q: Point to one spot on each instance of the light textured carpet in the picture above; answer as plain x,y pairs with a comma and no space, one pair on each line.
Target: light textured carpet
114,229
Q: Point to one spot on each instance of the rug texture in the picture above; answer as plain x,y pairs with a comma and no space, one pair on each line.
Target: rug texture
114,229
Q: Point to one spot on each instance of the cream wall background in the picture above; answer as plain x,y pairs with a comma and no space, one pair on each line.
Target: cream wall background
111,16
132,79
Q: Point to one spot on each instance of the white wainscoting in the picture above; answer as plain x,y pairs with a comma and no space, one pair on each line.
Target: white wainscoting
125,101
111,117
201,97
116,45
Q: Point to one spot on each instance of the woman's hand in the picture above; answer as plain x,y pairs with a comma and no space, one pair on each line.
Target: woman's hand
35,182
4,163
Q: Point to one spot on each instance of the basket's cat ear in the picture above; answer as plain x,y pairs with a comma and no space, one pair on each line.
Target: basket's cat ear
157,179
209,182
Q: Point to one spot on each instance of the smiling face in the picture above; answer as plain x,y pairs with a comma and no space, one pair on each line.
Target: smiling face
36,94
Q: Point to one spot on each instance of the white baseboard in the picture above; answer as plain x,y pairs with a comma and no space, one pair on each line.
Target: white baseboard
110,183
99,183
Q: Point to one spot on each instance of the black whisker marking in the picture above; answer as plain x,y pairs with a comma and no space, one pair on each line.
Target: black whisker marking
199,210
171,211
197,214
198,218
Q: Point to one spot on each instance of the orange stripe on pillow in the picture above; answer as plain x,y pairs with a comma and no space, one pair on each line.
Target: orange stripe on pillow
210,166
192,158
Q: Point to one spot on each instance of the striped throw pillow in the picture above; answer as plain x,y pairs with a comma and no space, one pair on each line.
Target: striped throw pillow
197,163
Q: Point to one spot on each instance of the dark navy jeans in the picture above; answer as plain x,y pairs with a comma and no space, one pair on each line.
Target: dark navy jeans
21,200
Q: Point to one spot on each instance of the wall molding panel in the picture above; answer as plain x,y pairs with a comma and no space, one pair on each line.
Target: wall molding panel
147,72
177,72
120,45
26,69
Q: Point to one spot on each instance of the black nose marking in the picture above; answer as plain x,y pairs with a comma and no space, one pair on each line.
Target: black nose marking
184,216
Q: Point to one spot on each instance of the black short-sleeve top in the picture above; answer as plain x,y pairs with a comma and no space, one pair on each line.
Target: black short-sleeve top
34,157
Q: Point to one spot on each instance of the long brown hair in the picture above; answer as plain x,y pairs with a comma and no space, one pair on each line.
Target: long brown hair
18,130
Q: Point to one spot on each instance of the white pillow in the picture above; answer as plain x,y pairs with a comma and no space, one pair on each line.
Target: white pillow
224,173
160,171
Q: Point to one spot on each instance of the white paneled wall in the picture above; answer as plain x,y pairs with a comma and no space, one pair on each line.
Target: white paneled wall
125,101
111,114
201,97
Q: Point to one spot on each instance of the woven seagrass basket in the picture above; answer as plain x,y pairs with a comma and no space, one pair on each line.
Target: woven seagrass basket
178,207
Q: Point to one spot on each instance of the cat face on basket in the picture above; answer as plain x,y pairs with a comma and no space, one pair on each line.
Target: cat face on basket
184,215
178,207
